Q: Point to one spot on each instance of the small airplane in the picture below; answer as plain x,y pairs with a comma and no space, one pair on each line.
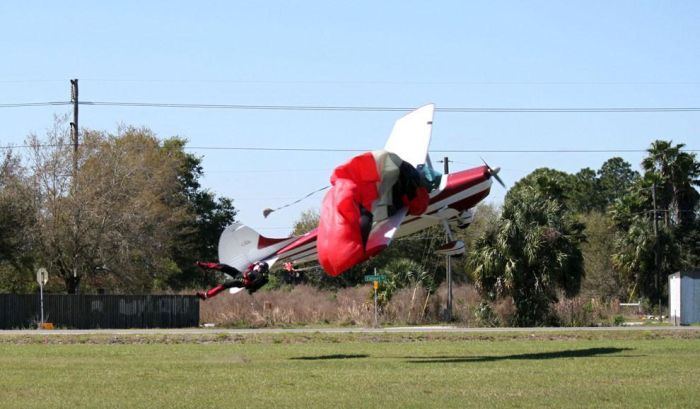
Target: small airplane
450,202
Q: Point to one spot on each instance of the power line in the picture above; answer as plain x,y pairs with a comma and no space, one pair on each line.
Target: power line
391,82
358,82
358,108
548,150
432,150
35,104
44,145
390,109
28,81
267,170
262,149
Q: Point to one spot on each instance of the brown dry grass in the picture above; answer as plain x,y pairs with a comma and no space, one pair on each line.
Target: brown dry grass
586,312
298,305
306,305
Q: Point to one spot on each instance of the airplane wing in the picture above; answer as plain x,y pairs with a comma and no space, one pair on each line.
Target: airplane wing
410,137
383,231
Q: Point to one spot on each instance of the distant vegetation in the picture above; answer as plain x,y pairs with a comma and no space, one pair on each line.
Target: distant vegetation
603,235
130,215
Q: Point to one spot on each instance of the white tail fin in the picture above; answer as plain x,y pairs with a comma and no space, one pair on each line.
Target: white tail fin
240,246
410,136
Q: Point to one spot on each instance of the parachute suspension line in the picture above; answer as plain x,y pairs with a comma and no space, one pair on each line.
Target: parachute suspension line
426,251
431,260
267,211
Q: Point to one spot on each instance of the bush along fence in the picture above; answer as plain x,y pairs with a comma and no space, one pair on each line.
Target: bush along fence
99,311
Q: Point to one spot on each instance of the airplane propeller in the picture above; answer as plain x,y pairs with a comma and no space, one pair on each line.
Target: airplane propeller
494,173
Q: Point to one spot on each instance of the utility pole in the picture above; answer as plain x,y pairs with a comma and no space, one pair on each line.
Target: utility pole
657,255
74,125
448,259
74,138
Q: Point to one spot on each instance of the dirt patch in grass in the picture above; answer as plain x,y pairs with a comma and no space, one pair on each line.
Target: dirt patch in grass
324,338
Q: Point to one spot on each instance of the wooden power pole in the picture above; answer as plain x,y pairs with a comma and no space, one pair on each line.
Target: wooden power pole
448,259
74,131
657,253
74,125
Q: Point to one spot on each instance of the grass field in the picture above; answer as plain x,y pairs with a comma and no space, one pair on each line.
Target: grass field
623,369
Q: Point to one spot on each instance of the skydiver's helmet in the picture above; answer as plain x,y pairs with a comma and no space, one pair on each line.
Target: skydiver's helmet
261,267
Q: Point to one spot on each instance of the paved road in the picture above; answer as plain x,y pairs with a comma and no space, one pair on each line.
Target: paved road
353,330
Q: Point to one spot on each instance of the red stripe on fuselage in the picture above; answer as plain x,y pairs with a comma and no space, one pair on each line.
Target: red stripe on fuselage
459,181
470,201
305,239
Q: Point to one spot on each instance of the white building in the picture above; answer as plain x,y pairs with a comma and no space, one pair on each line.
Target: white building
684,297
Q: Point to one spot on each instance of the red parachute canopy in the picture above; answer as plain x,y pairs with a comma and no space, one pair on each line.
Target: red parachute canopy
339,241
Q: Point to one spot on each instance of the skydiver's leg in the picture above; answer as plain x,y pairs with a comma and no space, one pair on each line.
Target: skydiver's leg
224,268
212,292
221,287
237,280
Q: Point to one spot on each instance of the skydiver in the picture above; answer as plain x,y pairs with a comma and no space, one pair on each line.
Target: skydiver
411,190
252,279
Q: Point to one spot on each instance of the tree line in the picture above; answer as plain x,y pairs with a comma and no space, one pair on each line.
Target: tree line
124,213
610,233
127,213
616,231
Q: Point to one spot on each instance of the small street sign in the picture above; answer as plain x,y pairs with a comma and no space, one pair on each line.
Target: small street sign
375,277
42,276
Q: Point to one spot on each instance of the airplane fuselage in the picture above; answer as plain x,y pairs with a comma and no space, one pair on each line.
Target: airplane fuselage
457,193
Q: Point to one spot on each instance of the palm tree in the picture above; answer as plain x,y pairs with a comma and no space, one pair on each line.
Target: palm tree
635,257
647,254
402,273
405,273
529,254
676,172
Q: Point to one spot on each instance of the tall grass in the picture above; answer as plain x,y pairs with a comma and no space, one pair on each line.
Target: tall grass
307,305
296,305
587,312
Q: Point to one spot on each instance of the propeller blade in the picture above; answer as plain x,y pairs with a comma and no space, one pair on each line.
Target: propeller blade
500,181
494,173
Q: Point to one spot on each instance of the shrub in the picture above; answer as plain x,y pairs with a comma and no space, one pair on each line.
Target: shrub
585,312
485,316
618,320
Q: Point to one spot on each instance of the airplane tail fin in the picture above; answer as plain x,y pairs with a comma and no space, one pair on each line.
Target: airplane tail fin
240,246
410,137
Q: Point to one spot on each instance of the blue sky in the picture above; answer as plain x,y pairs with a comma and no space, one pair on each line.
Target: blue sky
402,54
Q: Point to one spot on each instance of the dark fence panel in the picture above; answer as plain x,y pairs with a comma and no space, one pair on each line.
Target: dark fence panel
100,311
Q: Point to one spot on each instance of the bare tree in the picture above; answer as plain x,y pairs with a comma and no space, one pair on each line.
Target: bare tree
112,219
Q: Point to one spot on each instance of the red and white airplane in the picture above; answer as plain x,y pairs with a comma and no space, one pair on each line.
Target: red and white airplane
451,201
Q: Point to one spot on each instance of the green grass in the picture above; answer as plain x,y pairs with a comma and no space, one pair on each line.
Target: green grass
625,370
